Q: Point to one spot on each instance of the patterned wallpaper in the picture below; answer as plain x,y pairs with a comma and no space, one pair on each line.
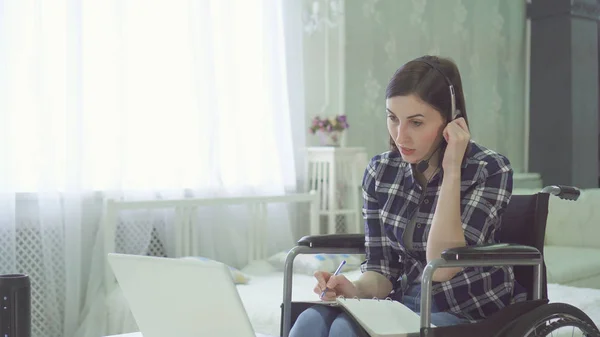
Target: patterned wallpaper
485,38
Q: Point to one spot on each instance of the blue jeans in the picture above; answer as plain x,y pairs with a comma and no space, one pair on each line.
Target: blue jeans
412,299
324,321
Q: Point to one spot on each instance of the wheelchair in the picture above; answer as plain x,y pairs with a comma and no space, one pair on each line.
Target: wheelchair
521,244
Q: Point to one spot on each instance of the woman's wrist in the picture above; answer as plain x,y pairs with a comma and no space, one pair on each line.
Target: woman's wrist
372,284
452,173
359,291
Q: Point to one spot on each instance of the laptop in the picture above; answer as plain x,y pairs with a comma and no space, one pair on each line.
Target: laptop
181,297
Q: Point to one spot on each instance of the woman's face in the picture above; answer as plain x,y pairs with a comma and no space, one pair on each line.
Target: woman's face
415,127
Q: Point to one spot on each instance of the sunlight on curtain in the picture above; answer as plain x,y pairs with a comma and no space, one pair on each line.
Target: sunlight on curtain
146,95
133,99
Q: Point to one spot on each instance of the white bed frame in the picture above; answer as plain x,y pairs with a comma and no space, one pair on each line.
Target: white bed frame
185,233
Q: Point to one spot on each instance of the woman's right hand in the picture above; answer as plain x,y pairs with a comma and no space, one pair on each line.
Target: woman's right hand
337,285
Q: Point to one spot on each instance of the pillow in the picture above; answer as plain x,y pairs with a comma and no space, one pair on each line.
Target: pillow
309,263
237,276
259,268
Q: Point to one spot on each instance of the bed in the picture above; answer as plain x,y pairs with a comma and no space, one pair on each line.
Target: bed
262,298
262,291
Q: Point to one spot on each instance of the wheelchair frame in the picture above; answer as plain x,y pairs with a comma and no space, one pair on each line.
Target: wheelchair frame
498,254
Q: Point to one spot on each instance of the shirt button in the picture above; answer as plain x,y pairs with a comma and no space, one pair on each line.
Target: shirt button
418,225
426,201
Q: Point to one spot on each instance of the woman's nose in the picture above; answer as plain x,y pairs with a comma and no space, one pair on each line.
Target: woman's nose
401,134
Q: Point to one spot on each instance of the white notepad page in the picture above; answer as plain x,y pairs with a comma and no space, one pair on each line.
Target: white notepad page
382,317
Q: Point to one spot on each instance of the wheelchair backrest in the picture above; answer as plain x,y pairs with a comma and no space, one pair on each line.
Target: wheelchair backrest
524,222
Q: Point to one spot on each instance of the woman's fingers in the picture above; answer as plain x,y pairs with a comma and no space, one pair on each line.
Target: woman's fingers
456,132
462,124
322,278
329,296
333,282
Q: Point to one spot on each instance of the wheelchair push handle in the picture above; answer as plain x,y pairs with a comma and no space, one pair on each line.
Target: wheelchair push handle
563,191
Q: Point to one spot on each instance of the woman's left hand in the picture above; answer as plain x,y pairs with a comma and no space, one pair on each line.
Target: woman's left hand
457,136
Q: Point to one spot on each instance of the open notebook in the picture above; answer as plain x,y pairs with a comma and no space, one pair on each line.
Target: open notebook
381,318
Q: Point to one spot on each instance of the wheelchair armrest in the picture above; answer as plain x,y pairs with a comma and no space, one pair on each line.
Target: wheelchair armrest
495,254
563,192
333,241
494,251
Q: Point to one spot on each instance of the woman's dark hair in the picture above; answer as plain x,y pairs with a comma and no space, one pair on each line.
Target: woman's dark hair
418,77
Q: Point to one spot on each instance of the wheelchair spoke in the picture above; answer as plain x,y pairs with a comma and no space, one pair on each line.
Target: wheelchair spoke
561,327
554,319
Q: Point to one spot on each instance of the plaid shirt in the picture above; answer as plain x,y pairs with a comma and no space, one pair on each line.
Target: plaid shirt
391,197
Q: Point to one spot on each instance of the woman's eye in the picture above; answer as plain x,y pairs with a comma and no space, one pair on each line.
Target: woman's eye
392,117
417,123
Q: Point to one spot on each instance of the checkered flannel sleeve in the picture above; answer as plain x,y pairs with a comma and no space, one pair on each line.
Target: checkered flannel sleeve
484,204
380,255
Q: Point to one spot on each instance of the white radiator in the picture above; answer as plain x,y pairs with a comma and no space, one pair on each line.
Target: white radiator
172,227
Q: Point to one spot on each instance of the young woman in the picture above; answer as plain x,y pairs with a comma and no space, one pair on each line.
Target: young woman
435,189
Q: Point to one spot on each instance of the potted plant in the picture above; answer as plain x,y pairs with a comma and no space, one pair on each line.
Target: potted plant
329,130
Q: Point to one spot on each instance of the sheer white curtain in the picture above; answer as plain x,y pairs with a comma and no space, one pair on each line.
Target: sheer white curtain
133,98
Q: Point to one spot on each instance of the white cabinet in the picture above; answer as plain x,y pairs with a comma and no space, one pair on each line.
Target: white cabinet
336,174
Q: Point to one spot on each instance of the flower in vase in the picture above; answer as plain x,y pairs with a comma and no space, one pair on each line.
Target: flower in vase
337,123
330,129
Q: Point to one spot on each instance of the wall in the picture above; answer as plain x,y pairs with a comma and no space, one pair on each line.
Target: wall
485,38
564,91
324,69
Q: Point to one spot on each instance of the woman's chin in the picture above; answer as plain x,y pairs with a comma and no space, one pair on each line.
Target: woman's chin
410,159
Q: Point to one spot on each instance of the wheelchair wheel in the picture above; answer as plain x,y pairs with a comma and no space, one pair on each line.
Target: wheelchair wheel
554,319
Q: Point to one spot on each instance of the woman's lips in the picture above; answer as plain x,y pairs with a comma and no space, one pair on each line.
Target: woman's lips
406,152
